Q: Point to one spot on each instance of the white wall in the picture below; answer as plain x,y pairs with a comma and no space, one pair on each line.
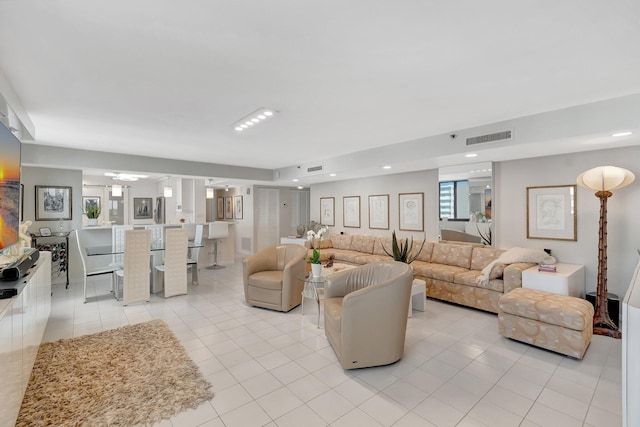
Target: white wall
512,179
32,176
412,182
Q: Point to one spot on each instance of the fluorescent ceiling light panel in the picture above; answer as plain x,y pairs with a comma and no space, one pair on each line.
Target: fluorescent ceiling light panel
125,176
619,134
257,117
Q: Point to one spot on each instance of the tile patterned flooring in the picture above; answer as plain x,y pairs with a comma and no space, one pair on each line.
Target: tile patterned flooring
277,369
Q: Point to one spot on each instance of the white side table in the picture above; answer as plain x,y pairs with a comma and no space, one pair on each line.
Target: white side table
567,280
418,296
293,240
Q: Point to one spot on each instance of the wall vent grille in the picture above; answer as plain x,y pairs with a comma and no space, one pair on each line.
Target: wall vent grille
492,137
314,169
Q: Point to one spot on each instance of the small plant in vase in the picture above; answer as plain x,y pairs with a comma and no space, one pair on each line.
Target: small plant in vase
403,250
92,213
315,237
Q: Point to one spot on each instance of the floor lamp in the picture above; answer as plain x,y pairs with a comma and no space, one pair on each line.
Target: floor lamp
603,180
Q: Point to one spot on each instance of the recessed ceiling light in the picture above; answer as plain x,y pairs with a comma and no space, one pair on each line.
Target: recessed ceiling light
252,119
619,134
300,187
386,167
471,155
332,174
295,180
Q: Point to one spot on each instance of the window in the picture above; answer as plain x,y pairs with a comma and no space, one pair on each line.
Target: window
454,200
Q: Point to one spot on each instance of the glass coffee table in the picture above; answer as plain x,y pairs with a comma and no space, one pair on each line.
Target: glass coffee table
313,287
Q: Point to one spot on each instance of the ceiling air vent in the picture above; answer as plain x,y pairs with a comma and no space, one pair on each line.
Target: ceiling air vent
492,137
314,169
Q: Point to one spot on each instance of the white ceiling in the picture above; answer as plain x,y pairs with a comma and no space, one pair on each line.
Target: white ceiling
167,79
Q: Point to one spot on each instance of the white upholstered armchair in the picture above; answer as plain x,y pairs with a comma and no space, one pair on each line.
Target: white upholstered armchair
365,313
273,277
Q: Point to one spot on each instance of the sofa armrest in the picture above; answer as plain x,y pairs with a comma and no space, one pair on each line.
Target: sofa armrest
512,276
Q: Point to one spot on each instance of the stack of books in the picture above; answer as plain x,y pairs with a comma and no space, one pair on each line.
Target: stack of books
547,268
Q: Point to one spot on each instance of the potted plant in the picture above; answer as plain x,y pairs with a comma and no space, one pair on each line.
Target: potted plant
403,250
92,213
315,237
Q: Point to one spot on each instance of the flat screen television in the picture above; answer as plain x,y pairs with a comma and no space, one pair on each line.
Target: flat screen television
9,187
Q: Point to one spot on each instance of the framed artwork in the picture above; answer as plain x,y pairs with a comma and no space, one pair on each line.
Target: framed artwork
53,203
142,208
351,211
220,210
90,202
379,211
327,211
551,212
228,207
237,204
411,211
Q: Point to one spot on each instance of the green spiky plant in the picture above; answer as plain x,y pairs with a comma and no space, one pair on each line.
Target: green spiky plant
93,211
403,250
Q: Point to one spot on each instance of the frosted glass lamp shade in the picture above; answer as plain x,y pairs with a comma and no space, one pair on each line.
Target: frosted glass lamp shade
605,178
168,191
116,190
209,193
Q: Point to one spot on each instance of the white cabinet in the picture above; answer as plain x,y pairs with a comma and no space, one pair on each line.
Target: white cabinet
567,280
23,320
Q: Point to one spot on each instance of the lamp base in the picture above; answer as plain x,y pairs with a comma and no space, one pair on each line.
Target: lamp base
607,331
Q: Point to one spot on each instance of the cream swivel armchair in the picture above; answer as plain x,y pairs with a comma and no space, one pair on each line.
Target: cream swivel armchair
365,313
273,277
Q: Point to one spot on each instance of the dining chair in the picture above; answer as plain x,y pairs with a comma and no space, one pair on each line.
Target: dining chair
117,243
192,260
157,233
217,231
136,273
93,270
174,268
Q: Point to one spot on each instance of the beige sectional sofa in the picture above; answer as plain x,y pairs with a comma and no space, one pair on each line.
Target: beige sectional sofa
449,269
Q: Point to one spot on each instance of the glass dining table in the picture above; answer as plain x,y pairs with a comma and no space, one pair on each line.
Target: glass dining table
109,250
156,283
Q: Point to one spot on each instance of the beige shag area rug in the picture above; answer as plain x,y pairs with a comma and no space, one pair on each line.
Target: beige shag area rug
133,375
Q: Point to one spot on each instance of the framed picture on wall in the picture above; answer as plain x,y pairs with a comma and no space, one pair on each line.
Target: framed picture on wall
411,211
220,208
551,212
327,211
379,211
142,208
237,204
351,211
53,203
228,207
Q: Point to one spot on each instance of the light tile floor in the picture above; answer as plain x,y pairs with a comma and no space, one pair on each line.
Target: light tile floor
277,369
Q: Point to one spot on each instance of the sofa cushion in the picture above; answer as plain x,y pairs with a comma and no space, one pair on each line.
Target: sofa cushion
425,253
341,241
481,257
267,279
363,244
450,254
378,246
346,255
437,271
367,259
469,278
